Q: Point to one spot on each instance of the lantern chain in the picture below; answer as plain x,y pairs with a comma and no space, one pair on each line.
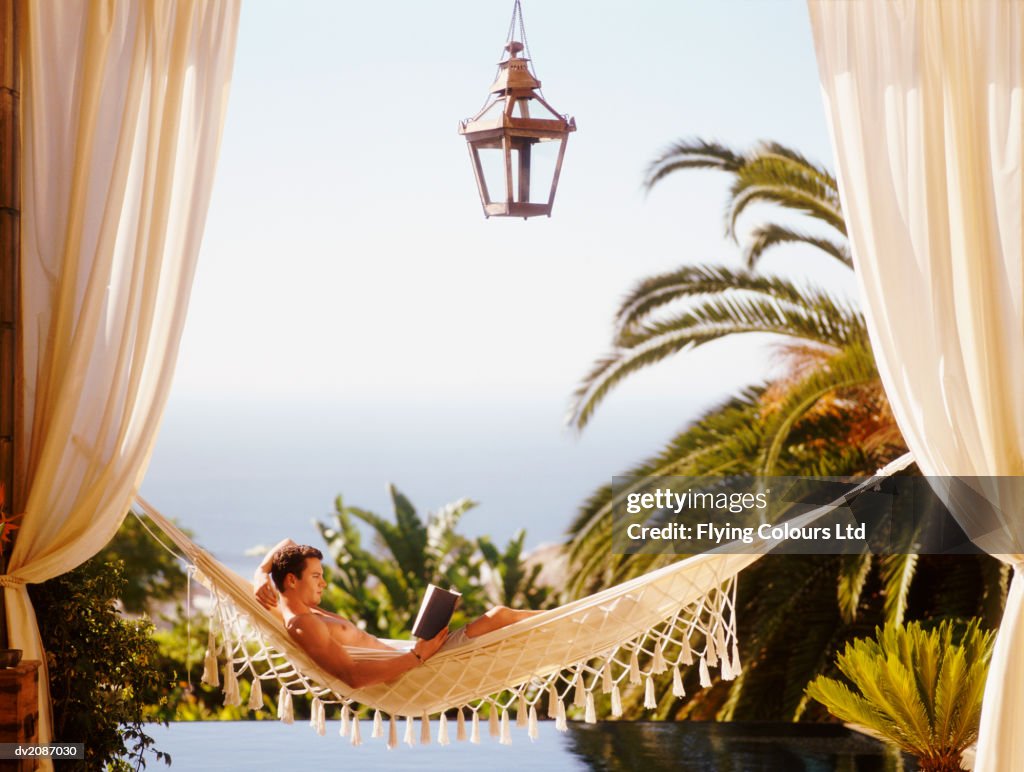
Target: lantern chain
517,13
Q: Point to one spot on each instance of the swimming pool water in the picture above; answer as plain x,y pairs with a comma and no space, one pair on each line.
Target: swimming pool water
611,746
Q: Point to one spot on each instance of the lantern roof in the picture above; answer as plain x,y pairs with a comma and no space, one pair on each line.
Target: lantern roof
514,73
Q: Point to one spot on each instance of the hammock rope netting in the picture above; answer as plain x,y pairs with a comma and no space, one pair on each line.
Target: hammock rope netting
624,637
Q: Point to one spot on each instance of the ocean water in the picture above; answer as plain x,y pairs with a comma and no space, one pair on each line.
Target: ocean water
246,472
610,746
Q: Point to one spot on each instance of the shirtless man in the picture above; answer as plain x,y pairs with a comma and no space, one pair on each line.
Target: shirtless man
297,573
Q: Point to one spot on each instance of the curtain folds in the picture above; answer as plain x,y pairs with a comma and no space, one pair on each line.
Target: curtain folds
924,104
124,105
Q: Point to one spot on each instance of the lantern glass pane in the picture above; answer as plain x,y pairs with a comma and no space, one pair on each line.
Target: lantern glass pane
544,156
493,112
492,163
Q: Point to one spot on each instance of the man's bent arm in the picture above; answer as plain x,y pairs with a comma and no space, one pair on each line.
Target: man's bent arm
268,562
315,639
262,586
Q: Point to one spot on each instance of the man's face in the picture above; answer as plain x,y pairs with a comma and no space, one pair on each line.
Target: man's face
310,586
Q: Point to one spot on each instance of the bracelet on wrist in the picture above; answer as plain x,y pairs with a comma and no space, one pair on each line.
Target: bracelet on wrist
418,657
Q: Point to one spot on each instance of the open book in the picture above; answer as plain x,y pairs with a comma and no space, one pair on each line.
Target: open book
435,611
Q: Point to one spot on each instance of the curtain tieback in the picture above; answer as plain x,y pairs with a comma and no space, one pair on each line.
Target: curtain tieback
10,580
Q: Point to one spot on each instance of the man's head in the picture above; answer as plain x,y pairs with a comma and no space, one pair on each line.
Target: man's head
298,567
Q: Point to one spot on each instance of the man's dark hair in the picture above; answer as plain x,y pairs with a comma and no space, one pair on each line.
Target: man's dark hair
291,560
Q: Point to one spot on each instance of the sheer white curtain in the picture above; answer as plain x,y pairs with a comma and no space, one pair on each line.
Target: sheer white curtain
924,103
123,106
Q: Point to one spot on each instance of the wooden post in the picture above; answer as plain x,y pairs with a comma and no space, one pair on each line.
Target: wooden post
10,247
19,709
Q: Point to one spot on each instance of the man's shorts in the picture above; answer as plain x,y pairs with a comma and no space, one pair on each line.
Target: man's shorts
456,639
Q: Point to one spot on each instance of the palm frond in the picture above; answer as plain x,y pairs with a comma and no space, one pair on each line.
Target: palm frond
906,705
845,704
769,235
782,175
691,154
947,684
444,547
854,365
721,435
827,321
967,700
407,555
897,572
695,280
818,318
772,593
774,174
853,574
802,162
810,651
723,438
768,184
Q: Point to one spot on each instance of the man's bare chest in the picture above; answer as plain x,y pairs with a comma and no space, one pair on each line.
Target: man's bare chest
342,631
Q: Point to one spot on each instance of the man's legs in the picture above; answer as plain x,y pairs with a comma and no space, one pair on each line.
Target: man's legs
495,619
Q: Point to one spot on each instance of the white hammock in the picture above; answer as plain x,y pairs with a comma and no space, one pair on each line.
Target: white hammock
669,618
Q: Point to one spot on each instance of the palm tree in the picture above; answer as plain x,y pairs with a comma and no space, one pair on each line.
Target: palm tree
825,415
919,690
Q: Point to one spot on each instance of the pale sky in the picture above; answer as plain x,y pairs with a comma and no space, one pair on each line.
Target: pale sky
346,254
356,320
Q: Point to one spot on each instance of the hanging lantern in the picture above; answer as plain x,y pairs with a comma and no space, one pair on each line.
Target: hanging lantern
517,141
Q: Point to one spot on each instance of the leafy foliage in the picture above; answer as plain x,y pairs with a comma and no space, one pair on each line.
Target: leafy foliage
513,582
919,689
103,668
152,575
186,698
383,587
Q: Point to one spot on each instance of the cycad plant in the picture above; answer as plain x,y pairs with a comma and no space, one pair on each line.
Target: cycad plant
919,689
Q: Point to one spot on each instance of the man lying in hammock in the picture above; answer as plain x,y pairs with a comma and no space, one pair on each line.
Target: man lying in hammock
297,573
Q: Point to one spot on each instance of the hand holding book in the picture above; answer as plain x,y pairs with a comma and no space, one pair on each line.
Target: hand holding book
435,611
427,647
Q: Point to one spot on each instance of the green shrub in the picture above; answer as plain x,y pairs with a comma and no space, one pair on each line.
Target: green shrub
152,574
103,668
181,649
